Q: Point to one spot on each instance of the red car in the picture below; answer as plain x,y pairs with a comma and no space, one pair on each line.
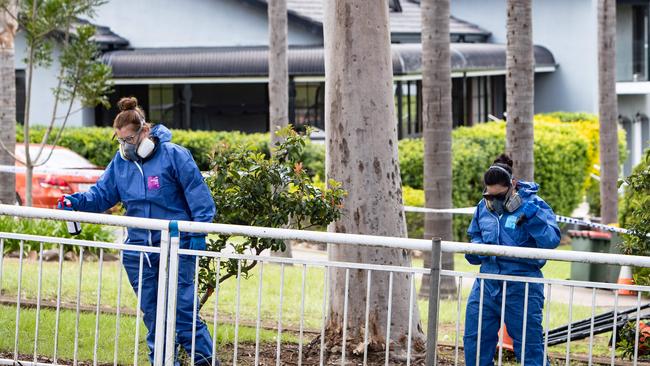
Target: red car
65,172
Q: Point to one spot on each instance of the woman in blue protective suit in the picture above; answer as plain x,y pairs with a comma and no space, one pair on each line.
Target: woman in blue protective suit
155,178
511,214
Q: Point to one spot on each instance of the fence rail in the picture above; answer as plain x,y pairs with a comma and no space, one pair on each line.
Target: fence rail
299,299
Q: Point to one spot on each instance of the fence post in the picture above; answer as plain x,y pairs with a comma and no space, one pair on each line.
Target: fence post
172,290
434,302
161,305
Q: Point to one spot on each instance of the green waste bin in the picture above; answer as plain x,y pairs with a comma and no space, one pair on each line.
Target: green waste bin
594,242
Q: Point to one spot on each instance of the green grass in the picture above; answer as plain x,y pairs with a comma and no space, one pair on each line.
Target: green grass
227,301
106,344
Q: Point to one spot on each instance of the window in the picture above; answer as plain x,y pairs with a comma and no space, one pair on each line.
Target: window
640,42
161,103
20,96
309,105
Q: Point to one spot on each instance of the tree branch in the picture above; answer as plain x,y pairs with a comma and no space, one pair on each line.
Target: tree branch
12,153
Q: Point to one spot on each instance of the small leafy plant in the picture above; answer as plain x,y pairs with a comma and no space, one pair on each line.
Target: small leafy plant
251,188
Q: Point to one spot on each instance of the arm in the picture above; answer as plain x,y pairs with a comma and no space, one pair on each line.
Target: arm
474,233
197,195
102,196
541,224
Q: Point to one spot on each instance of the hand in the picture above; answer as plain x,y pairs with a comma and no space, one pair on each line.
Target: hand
530,209
197,243
67,201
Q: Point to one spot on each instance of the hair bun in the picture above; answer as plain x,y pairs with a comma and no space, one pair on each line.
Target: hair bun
502,159
127,104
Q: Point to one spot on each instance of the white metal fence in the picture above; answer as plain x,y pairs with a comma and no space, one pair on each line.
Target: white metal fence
78,312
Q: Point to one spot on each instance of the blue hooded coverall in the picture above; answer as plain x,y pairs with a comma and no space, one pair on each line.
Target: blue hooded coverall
539,231
167,185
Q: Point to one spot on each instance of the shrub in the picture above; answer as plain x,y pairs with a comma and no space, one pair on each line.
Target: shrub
635,216
252,189
414,220
97,145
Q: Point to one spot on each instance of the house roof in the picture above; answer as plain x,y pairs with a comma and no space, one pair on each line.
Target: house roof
406,21
105,38
215,62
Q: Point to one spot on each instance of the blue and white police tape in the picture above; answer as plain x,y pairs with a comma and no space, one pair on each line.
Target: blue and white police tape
562,219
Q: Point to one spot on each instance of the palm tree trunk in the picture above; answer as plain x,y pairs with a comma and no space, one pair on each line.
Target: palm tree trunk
608,110
278,67
520,65
436,99
361,152
8,100
278,79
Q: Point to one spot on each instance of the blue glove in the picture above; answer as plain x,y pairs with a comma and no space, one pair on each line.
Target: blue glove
530,210
67,201
197,243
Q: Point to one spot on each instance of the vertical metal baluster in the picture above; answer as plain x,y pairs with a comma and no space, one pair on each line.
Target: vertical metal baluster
279,340
20,280
259,315
324,309
345,315
614,328
237,311
216,312
503,312
636,332
523,331
548,320
137,312
99,299
302,314
38,300
410,327
365,332
480,323
591,326
58,304
568,339
76,326
458,309
117,314
389,315
195,309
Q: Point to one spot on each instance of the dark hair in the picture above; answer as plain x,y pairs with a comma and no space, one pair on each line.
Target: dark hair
130,114
500,172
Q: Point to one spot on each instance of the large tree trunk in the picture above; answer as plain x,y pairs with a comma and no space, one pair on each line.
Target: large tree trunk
520,66
8,100
361,147
278,69
607,110
278,78
436,99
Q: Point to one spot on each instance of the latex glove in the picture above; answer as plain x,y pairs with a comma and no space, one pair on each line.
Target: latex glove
530,210
197,243
67,201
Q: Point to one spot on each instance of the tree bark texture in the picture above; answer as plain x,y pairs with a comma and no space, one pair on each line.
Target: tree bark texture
278,67
436,99
361,150
520,66
608,111
8,27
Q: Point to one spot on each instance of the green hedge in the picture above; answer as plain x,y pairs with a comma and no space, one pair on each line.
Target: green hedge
563,158
475,148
